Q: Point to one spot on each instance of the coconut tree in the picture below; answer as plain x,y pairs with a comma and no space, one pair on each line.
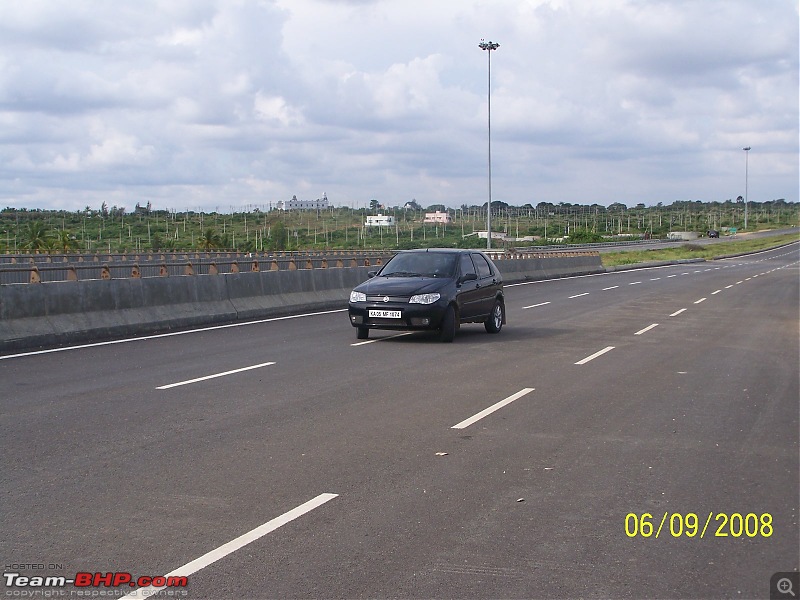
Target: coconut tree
209,239
35,236
65,241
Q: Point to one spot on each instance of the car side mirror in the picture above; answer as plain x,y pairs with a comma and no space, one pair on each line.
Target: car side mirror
467,277
371,274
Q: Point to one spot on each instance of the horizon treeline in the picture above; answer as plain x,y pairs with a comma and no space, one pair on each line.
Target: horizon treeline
148,229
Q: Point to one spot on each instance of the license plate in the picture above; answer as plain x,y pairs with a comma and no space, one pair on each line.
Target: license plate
385,314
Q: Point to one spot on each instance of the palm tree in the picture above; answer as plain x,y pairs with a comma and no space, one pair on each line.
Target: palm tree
65,241
209,239
35,236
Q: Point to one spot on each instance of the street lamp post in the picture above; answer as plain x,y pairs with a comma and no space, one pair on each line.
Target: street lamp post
746,156
489,46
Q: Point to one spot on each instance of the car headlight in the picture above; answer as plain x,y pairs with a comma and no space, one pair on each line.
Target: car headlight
425,298
358,296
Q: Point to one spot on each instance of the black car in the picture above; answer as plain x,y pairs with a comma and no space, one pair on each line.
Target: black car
434,289
713,233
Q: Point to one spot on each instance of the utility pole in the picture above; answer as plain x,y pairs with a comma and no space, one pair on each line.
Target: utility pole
489,46
746,157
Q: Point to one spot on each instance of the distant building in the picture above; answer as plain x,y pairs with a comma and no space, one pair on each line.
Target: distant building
379,221
496,235
437,217
295,204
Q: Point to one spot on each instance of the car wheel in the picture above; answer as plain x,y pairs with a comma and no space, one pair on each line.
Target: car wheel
448,329
495,321
362,333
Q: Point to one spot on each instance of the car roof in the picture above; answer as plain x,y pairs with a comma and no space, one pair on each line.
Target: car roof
441,250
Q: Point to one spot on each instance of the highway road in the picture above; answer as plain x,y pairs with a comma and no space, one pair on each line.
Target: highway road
284,458
638,245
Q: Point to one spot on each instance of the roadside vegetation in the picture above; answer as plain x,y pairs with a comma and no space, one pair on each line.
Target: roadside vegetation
261,229
689,250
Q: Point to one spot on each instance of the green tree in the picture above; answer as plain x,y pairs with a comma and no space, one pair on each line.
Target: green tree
584,236
277,239
35,236
209,239
65,241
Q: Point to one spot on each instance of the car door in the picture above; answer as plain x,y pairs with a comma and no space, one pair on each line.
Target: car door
469,292
487,284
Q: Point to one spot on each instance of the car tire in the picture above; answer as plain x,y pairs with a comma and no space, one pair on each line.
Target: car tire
448,329
495,321
362,333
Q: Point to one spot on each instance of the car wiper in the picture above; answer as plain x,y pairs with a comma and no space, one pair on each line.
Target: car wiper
403,274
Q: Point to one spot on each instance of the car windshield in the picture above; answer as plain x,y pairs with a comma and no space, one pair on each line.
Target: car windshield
420,264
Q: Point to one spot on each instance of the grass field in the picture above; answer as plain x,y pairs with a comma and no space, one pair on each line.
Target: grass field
690,250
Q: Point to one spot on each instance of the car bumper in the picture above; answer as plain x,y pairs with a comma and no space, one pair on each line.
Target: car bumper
412,316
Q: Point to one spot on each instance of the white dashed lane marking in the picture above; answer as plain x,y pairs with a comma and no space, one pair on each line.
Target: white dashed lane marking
215,375
595,355
234,545
646,329
494,407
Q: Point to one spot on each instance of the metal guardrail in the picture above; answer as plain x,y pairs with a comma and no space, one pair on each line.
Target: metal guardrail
598,245
51,268
103,257
181,265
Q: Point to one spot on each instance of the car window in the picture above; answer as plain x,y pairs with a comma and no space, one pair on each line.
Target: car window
466,265
484,270
420,264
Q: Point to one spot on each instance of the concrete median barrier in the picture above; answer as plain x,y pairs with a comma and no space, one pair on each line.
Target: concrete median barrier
67,312
533,269
275,293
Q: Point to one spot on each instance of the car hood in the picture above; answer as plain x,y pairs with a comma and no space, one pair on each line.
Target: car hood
402,286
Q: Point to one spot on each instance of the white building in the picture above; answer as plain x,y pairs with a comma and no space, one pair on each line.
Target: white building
295,204
496,235
379,221
437,217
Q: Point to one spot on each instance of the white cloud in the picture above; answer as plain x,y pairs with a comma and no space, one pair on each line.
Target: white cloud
118,149
251,101
275,109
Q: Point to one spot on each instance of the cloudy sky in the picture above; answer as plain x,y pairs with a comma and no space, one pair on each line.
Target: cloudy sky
217,104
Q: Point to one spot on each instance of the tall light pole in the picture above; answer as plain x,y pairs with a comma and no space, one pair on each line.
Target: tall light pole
489,46
746,156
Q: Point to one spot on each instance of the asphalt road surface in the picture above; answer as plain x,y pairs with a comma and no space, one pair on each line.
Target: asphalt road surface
626,435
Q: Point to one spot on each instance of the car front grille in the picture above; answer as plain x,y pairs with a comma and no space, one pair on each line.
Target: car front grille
387,322
392,299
